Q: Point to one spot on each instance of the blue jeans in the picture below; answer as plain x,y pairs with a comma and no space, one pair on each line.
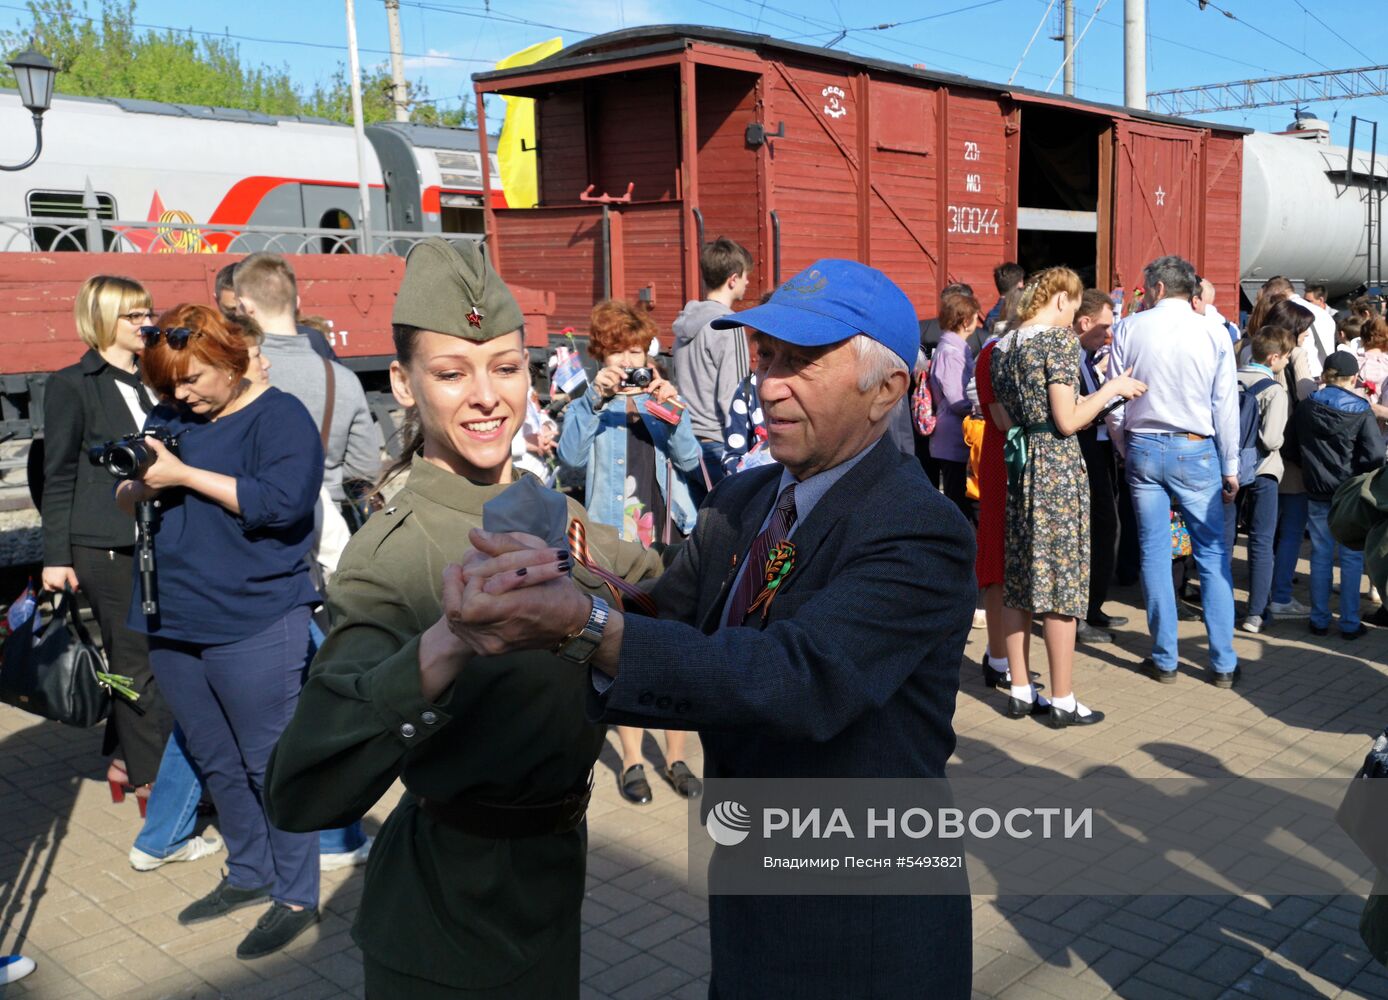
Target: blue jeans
1260,511
1291,525
173,801
1167,468
1323,568
233,701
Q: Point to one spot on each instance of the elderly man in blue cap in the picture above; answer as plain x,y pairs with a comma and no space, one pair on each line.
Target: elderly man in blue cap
851,671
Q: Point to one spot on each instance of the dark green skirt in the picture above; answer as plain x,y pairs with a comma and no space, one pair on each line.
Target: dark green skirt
556,978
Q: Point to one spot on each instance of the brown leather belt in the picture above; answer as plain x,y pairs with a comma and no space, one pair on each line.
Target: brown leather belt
510,822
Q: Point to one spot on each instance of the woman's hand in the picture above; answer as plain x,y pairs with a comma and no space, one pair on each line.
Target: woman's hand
608,381
130,492
1126,386
57,578
166,470
662,390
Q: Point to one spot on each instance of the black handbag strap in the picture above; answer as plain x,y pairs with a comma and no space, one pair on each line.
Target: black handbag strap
69,607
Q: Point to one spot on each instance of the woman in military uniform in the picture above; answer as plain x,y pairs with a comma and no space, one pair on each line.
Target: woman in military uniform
475,882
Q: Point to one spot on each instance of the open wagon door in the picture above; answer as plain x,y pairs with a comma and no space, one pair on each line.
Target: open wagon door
1156,197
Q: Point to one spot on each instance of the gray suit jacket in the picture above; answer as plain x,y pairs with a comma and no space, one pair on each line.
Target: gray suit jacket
852,674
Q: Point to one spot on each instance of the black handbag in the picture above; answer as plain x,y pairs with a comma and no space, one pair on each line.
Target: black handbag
55,675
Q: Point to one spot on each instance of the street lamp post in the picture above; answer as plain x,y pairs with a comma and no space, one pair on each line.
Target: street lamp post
33,75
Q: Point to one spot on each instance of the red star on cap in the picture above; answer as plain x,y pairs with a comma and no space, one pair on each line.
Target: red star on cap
474,318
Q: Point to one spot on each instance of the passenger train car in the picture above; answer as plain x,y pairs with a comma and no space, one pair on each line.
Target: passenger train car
188,165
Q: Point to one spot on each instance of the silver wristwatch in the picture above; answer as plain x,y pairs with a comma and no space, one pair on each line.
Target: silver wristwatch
581,645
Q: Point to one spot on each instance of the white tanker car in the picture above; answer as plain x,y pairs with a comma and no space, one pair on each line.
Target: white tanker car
1302,218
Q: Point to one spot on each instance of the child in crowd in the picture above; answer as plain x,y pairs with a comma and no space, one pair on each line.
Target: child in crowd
1271,349
1339,440
1373,366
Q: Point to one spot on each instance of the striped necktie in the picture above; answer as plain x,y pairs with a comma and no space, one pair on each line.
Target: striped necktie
752,573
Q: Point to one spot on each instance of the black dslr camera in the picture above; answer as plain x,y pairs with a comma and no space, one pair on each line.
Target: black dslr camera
125,457
637,378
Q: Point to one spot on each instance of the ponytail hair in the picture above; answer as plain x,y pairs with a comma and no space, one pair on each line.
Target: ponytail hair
411,432
1044,286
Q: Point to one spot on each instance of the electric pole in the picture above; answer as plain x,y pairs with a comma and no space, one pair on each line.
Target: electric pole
1135,54
358,127
1069,41
400,93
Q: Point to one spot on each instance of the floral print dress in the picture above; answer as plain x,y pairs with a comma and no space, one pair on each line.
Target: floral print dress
1046,566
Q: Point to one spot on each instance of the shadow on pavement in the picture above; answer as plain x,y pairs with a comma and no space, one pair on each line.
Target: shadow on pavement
1198,945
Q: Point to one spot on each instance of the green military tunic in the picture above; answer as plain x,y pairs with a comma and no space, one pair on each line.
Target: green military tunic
496,917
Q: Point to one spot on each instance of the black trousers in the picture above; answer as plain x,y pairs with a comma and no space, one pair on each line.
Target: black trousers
931,467
1103,518
954,484
105,578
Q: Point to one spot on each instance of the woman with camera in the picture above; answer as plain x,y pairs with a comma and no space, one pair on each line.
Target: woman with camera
475,883
635,439
88,542
228,642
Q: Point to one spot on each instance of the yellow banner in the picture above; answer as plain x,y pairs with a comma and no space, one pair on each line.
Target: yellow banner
519,176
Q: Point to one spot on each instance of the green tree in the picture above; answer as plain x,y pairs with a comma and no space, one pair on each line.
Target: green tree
107,55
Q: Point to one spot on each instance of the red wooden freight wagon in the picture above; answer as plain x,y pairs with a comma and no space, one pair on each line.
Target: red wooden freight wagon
685,133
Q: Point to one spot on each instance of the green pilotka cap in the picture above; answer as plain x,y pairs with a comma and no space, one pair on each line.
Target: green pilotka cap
452,288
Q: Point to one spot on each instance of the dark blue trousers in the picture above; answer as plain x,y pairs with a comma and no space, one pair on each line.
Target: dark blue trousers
1260,511
233,701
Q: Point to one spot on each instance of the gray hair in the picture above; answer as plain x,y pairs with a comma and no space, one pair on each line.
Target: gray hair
1176,273
876,362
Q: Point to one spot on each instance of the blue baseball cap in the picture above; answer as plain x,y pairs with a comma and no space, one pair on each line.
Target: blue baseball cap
832,300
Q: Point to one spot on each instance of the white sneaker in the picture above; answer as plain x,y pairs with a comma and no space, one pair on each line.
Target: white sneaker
192,850
1252,623
1291,609
332,862
13,968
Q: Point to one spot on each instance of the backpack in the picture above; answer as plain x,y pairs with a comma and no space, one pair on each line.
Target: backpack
923,404
1249,452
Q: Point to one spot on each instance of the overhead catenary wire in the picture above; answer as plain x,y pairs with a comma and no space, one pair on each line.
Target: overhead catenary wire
828,29
259,39
486,14
1039,25
1203,4
1312,14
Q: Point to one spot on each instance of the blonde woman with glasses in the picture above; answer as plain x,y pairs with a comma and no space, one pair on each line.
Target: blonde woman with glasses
88,543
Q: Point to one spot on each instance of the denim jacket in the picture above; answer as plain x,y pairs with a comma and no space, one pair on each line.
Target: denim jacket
598,439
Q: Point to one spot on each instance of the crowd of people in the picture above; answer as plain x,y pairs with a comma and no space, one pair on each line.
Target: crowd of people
304,655
1092,427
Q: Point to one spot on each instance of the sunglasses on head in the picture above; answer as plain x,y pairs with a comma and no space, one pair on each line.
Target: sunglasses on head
177,338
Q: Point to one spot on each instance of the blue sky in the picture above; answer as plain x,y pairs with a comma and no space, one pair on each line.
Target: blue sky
448,40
